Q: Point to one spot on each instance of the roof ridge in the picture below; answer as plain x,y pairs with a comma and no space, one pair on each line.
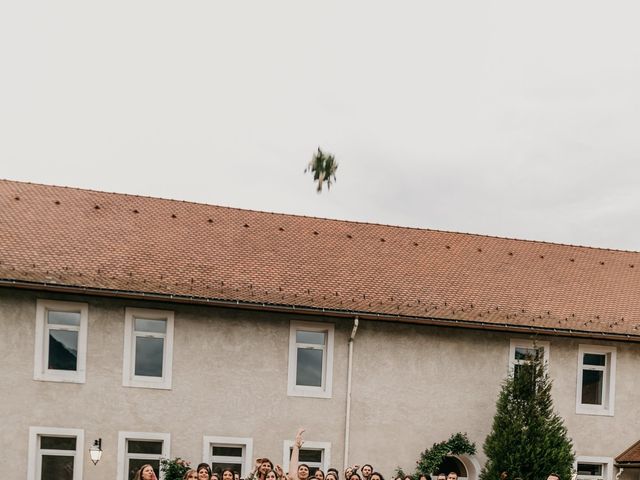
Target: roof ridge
312,217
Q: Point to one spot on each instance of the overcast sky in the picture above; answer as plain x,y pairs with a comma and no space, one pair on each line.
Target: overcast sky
507,118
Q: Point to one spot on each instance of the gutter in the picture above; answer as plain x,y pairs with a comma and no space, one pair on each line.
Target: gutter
272,307
347,423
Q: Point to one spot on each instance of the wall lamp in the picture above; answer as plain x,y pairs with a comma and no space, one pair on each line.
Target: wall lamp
96,451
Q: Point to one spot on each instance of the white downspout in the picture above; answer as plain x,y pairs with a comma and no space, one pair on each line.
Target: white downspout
348,412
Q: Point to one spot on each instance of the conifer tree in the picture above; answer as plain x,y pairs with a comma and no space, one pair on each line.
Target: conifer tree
528,439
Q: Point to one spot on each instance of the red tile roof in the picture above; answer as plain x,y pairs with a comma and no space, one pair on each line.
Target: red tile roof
123,243
630,455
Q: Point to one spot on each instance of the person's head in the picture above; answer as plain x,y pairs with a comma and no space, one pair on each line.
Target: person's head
408,477
215,476
331,475
145,472
190,474
236,475
271,475
376,476
553,476
423,477
347,473
334,471
204,471
452,476
442,476
265,466
303,471
227,474
355,476
366,470
319,475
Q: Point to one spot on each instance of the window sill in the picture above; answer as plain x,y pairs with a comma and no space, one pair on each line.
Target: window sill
64,378
309,393
591,410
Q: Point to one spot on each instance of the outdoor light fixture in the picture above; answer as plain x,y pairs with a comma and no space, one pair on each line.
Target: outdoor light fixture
96,451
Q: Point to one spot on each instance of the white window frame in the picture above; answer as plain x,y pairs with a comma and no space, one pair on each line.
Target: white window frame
123,456
245,442
324,446
41,355
609,379
524,343
34,466
606,462
324,391
129,379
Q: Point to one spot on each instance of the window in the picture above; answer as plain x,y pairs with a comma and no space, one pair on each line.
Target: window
315,454
55,453
596,380
522,351
310,359
61,341
148,345
594,468
228,452
139,448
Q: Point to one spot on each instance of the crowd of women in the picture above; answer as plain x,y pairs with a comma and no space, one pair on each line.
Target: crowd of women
264,469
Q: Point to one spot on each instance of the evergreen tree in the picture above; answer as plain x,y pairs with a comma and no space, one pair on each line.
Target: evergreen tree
528,439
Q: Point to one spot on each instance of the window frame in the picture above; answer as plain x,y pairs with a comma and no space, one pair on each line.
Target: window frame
609,378
606,462
129,378
324,446
246,442
41,354
123,455
525,343
324,391
34,465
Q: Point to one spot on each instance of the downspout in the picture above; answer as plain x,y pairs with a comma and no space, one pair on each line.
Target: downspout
348,412
619,473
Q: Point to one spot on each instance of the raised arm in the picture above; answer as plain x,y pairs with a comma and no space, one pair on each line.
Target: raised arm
295,455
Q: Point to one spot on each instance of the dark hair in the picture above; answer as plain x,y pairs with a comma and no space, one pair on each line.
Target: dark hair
334,470
320,470
204,465
356,474
378,474
456,474
332,473
423,475
226,470
304,465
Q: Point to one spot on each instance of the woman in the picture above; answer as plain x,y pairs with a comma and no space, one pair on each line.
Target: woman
319,475
376,476
227,474
204,471
145,472
190,474
331,476
298,471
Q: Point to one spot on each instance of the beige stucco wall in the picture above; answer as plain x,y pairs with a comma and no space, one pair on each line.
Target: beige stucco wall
412,386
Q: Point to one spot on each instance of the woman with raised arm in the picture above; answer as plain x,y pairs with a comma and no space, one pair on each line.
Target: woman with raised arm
298,471
145,472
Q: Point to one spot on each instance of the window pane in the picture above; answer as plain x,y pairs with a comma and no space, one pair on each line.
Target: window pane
592,387
312,456
149,356
219,466
57,443
523,353
590,469
144,446
226,451
148,325
316,338
595,359
309,367
137,463
63,350
63,318
57,468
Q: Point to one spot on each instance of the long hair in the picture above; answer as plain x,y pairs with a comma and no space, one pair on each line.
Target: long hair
138,475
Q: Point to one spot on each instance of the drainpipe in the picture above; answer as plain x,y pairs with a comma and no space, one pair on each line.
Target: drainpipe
619,473
348,412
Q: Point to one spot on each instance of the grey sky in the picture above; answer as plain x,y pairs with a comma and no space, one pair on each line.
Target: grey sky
507,118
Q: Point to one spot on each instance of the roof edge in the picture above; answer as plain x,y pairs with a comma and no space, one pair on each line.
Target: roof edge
272,307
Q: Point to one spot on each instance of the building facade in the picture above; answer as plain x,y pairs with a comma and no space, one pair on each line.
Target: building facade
166,342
